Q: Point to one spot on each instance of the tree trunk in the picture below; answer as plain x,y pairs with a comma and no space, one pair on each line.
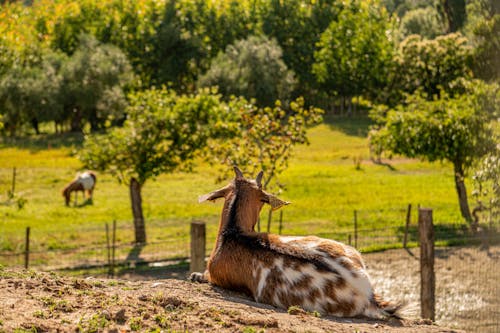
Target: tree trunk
462,193
136,200
76,120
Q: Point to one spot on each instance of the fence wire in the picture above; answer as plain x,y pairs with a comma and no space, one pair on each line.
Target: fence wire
467,277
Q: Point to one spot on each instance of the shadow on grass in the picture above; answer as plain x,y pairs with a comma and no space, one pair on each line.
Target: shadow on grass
354,126
36,143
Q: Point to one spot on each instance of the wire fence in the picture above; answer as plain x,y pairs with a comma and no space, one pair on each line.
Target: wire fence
62,248
467,280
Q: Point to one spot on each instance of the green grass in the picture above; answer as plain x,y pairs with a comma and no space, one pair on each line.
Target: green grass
322,182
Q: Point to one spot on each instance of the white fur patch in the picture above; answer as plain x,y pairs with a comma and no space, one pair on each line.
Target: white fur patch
264,272
86,180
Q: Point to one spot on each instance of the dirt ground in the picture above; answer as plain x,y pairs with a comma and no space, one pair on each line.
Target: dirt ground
467,292
467,284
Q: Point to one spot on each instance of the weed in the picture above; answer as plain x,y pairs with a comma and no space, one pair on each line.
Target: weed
295,309
135,324
249,329
32,329
161,321
40,314
93,324
316,314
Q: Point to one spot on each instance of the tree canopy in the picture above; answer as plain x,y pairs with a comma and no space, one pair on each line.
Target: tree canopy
252,68
454,129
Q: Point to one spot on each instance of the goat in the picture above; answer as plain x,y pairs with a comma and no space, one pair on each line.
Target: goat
314,273
84,182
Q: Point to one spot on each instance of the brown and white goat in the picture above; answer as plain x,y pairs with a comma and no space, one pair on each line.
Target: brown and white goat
84,182
314,273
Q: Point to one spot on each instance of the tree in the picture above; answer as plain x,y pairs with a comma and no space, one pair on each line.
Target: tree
30,94
431,65
252,68
483,31
454,129
93,81
297,26
163,132
421,21
453,13
354,52
262,139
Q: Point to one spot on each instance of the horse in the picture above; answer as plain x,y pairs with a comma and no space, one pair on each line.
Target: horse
84,182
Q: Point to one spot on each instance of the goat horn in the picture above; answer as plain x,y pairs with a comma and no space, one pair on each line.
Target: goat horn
259,179
238,172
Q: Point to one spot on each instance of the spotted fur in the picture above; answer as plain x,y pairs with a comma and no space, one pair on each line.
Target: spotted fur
314,273
84,182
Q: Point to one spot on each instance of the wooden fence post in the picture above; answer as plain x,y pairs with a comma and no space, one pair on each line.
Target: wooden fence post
355,229
281,223
427,275
407,226
27,249
13,188
197,247
108,250
113,247
269,218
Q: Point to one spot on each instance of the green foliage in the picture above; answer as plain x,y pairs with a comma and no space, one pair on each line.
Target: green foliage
453,129
483,29
86,87
264,138
421,21
93,82
31,93
252,68
453,13
432,65
297,26
354,51
487,184
163,133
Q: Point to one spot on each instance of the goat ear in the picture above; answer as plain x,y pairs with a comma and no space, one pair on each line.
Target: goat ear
238,172
213,195
259,179
275,202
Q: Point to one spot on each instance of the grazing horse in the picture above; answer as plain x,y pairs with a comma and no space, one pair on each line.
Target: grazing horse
84,182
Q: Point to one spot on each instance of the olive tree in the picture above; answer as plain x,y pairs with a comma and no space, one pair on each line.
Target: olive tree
94,78
252,68
421,21
163,133
454,129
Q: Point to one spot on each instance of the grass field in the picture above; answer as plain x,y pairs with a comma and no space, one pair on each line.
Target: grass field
322,182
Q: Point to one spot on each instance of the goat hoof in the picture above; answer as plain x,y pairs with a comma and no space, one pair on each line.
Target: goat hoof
197,277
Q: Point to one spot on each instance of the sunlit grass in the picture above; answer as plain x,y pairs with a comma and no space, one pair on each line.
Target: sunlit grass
326,181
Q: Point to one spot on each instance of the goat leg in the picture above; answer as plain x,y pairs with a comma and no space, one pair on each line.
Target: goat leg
199,277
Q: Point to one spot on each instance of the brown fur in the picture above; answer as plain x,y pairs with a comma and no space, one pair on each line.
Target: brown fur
311,272
76,186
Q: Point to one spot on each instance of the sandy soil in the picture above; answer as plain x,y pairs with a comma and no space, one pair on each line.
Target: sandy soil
51,303
467,284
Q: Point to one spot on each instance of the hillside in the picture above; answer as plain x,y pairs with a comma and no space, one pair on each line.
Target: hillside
41,302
